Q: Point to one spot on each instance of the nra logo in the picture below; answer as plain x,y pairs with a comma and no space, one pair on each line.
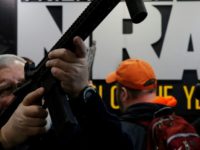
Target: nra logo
168,38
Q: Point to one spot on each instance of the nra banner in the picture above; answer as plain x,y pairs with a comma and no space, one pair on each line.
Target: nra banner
169,38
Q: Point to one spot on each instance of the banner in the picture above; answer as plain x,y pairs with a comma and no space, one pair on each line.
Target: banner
168,39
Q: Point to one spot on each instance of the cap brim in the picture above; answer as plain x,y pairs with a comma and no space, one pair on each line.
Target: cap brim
112,77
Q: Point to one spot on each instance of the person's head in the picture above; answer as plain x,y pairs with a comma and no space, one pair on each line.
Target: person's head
136,82
11,74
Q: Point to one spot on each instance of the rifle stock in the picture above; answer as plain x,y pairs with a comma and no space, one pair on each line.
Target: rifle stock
55,99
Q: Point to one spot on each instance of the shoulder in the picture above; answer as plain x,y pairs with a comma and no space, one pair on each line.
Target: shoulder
136,133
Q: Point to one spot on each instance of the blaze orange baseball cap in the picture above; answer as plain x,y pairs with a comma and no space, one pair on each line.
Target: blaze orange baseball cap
134,74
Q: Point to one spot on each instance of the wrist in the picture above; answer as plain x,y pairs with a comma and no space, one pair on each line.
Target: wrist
74,94
83,103
88,104
86,93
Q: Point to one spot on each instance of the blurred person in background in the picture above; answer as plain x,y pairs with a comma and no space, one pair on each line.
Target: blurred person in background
28,119
11,75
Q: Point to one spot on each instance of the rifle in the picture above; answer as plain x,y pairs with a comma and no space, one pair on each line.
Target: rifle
56,100
91,55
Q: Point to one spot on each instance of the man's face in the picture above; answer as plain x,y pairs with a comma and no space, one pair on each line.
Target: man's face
10,77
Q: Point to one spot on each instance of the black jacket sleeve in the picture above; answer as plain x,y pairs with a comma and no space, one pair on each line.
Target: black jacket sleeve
99,128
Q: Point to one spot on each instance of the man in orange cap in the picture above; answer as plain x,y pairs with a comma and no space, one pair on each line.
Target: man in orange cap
136,95
136,83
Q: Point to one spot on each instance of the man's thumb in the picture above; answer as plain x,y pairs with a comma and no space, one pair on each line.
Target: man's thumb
33,97
80,48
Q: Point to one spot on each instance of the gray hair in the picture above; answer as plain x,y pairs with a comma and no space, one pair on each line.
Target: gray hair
9,59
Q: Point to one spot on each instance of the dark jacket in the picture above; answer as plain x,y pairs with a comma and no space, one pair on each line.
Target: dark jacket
98,130
133,119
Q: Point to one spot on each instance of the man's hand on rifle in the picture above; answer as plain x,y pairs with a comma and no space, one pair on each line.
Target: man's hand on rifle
71,68
29,119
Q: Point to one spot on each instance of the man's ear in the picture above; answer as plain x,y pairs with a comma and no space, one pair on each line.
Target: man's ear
124,94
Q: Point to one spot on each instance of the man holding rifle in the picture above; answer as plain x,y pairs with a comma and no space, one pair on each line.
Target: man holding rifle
98,128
